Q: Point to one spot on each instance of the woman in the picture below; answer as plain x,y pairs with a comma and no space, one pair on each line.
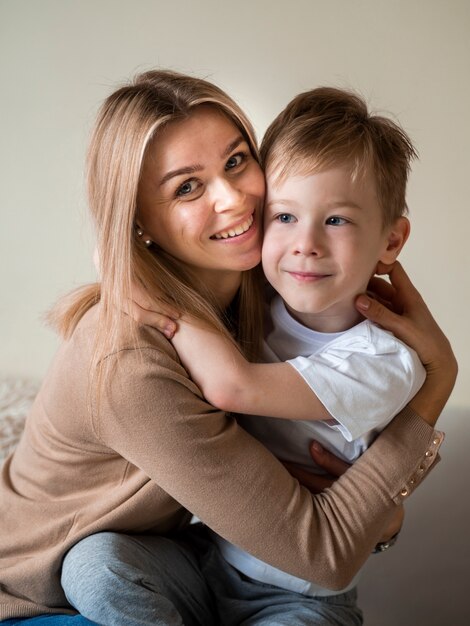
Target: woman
119,439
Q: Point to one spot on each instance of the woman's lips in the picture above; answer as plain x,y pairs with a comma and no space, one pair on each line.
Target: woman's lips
235,231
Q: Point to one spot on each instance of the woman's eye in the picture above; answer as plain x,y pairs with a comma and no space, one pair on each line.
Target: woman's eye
285,218
235,161
186,188
336,221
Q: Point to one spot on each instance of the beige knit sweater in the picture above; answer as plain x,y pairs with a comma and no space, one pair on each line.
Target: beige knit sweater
152,451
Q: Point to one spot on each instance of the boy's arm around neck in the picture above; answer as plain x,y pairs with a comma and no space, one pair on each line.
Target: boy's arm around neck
230,382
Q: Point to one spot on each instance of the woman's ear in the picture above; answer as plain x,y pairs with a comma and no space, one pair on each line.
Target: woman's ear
396,238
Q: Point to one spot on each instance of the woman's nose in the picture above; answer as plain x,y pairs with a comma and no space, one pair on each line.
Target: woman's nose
226,196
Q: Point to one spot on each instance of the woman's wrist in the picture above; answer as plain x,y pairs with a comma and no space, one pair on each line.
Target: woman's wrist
433,395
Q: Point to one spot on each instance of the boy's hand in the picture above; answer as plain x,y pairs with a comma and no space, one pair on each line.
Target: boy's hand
148,312
143,310
316,483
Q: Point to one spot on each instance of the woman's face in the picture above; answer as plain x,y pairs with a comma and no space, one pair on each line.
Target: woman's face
201,195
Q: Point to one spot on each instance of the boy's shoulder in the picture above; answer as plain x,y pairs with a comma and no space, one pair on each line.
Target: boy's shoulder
371,338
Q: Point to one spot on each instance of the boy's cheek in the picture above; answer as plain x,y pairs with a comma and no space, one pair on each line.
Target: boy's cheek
265,254
267,233
275,239
269,255
267,219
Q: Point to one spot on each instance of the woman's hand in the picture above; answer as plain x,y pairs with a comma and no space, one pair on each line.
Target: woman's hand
398,307
335,467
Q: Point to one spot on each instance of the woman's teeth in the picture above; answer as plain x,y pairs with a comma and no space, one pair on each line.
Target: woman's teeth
234,232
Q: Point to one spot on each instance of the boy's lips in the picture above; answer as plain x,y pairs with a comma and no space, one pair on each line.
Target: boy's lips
307,276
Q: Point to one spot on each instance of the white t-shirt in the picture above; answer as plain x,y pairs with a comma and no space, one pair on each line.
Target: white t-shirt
364,376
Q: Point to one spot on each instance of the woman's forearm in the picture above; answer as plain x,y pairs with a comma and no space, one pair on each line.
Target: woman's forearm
415,326
324,538
433,395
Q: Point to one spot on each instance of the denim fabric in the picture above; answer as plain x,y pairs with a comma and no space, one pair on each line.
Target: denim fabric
137,580
242,601
50,620
140,580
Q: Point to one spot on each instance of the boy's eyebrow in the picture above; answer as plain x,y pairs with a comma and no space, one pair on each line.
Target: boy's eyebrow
329,205
191,169
343,203
282,201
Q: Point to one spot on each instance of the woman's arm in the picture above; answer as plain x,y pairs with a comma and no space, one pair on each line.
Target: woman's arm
335,467
231,383
152,415
217,471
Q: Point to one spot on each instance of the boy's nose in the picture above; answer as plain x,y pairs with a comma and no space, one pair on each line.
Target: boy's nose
309,243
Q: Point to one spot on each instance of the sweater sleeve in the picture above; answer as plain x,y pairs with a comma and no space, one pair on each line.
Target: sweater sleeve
152,414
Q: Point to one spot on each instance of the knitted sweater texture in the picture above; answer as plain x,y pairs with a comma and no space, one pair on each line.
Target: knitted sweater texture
150,451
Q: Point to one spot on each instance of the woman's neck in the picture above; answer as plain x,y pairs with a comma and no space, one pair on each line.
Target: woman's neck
223,285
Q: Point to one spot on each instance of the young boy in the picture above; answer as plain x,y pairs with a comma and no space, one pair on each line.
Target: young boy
334,209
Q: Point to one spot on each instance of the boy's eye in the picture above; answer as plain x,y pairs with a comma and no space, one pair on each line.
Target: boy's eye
336,221
186,188
285,218
235,161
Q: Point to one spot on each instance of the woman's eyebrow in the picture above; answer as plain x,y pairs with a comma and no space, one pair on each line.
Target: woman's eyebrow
232,145
189,169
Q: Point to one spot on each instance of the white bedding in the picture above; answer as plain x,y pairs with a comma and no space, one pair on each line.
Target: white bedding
16,397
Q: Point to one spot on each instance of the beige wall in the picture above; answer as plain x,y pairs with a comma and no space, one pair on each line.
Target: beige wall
58,60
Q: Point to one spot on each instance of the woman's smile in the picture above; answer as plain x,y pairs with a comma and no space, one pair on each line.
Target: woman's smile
201,195
235,230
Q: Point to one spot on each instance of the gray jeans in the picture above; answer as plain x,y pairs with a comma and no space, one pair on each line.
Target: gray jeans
116,579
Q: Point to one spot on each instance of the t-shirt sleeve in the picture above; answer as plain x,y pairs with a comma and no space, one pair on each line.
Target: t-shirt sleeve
364,379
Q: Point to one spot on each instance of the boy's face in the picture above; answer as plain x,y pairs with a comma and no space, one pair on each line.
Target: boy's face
323,237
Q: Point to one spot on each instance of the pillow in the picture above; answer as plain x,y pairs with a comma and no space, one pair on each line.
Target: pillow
16,397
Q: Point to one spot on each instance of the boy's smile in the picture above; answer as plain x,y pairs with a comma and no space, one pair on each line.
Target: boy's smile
323,238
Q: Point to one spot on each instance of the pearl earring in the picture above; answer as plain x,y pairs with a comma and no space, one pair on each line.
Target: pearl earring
148,243
140,232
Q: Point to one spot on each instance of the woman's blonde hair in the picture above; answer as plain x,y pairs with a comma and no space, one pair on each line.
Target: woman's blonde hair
127,121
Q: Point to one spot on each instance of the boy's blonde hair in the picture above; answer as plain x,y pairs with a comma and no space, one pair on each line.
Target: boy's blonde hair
326,127
127,122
